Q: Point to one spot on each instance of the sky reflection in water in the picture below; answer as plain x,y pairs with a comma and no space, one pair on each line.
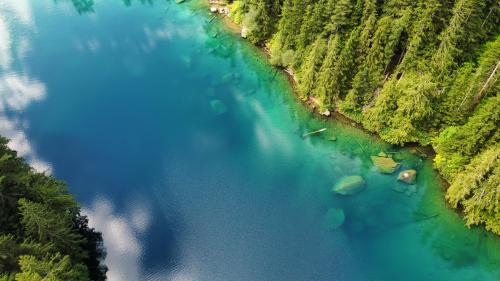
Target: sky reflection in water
17,88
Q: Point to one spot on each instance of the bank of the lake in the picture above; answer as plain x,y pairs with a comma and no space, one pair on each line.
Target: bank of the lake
315,105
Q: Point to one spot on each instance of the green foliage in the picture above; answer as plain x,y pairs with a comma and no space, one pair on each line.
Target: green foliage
462,33
324,79
54,268
472,83
236,9
402,108
409,70
279,56
310,67
9,251
42,224
6,277
261,20
312,24
456,145
43,236
477,190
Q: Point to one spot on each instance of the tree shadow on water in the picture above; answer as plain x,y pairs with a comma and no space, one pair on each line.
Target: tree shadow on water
81,6
452,241
87,6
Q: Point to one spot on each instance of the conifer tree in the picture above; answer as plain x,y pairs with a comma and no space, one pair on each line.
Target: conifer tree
477,190
461,32
55,268
324,77
43,236
46,226
310,67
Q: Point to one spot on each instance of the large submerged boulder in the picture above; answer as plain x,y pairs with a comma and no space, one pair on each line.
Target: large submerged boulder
334,218
384,163
349,185
408,176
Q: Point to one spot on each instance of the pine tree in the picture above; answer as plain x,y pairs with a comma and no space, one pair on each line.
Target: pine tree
55,268
310,67
342,18
402,108
312,25
463,30
42,224
39,219
456,145
477,190
345,68
472,83
324,77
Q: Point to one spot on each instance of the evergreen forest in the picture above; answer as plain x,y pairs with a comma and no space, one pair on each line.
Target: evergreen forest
43,235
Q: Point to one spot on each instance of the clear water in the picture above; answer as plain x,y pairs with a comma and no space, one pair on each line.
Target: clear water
118,103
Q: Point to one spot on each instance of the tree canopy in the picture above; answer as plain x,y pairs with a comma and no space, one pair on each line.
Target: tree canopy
43,235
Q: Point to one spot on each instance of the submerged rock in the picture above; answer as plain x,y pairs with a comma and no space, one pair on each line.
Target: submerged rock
412,189
349,185
408,176
385,165
334,218
218,107
408,189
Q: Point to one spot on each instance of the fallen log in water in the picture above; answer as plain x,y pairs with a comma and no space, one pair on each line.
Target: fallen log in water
313,133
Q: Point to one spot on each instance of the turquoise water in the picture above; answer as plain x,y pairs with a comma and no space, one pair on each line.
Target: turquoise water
185,150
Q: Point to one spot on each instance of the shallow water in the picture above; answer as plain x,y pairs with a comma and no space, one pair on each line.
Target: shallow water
185,150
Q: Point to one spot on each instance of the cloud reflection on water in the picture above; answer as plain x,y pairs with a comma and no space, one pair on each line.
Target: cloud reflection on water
17,89
120,234
5,44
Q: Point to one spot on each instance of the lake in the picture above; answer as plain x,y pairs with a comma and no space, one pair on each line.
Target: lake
186,150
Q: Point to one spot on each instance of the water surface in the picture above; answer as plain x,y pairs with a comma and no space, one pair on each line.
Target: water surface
125,101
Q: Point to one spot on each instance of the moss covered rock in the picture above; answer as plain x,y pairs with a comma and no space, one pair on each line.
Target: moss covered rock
385,165
408,176
349,185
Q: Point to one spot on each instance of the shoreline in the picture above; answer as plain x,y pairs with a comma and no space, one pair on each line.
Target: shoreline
426,152
235,28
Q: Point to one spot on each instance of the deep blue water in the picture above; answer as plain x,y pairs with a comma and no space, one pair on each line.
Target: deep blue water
121,103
